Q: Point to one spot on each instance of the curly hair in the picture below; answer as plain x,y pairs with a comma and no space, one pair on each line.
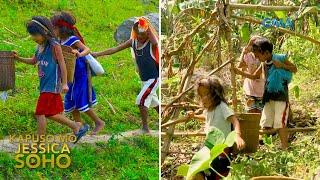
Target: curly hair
215,88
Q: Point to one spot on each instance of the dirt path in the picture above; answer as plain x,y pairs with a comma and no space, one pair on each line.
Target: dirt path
7,146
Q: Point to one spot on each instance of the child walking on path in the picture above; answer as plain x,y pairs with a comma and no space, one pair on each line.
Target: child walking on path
277,70
77,98
253,88
52,74
144,42
217,116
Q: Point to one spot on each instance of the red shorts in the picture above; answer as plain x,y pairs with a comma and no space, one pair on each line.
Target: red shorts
49,104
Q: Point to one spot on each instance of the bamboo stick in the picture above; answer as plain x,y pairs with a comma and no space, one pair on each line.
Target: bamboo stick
253,20
267,8
189,134
166,145
191,87
172,122
183,105
231,58
191,34
290,130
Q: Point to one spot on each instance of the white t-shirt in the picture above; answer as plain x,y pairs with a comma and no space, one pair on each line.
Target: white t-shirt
218,118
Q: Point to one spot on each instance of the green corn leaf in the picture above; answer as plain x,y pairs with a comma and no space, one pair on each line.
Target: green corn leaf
245,32
281,14
230,140
183,170
296,91
199,162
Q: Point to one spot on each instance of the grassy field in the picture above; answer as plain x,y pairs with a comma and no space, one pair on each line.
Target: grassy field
97,21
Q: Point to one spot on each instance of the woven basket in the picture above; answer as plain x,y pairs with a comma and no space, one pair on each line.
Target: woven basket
7,70
249,123
70,60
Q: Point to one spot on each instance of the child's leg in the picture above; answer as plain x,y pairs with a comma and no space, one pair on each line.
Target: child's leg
283,134
42,124
75,126
76,116
144,118
145,99
267,118
281,118
98,122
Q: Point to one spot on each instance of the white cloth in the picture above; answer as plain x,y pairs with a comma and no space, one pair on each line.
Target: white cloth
275,114
148,95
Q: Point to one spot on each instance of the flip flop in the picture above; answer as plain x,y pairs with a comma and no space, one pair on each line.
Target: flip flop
83,130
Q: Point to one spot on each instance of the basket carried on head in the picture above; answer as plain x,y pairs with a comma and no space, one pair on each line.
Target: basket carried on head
70,60
7,70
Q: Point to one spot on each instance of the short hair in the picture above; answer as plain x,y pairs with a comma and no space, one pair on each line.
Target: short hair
262,45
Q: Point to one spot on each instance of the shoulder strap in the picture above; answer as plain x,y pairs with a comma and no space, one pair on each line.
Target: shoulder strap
54,51
155,53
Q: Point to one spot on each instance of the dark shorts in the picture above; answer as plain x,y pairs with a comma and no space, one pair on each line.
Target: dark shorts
253,103
49,104
221,165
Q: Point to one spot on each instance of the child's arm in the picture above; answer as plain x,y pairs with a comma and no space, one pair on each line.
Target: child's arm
31,61
287,65
242,64
62,66
239,141
113,50
84,48
255,75
192,115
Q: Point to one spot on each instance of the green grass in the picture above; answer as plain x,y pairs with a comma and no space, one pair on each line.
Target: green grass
134,158
97,21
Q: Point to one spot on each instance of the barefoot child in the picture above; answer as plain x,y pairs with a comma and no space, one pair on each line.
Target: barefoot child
77,99
277,70
52,74
217,115
253,88
144,42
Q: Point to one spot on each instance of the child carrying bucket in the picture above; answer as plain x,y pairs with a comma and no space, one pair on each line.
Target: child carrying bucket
80,98
217,116
52,74
144,42
253,88
277,70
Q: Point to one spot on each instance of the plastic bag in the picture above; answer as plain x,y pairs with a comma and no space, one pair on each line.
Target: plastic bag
95,66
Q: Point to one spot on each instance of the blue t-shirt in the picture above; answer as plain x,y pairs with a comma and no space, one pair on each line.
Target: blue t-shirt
48,69
277,80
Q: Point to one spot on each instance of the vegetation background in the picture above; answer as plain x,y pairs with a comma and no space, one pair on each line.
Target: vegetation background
302,160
